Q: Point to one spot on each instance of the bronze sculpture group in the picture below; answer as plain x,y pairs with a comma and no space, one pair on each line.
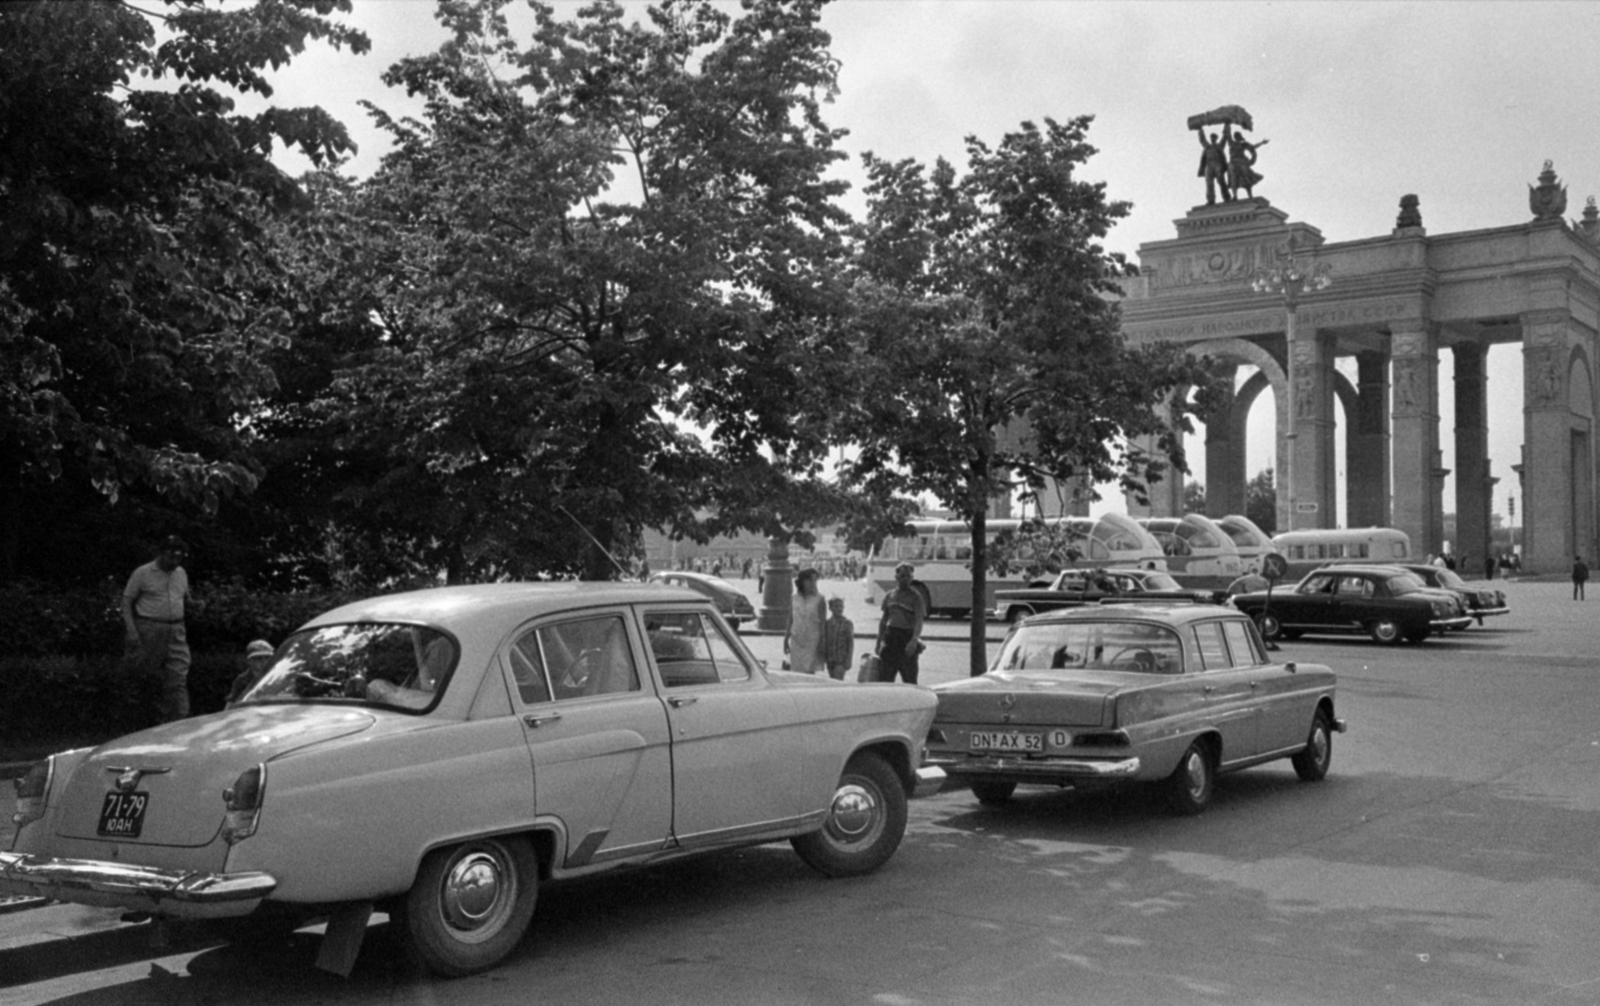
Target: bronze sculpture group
1227,161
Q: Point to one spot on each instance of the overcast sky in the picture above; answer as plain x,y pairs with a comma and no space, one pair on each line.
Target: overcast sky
1460,103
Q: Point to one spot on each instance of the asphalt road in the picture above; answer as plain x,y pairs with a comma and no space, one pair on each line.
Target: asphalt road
1450,857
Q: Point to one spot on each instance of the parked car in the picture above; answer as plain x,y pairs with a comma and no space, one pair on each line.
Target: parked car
1100,696
1073,588
1480,602
730,600
440,754
1386,602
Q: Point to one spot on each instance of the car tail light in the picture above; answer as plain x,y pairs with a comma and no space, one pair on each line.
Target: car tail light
243,803
33,792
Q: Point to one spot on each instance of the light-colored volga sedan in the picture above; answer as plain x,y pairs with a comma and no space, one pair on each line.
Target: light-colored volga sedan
439,754
1099,696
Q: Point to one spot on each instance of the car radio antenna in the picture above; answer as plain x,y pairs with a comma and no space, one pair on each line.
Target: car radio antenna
603,551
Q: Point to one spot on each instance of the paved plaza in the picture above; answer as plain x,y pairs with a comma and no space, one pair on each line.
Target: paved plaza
1448,858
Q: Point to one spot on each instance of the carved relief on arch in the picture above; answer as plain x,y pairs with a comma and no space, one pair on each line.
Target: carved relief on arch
1544,375
1411,386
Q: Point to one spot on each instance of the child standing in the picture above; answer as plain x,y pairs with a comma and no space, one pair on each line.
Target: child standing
838,639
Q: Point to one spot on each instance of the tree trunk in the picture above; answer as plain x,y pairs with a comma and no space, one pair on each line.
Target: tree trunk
978,647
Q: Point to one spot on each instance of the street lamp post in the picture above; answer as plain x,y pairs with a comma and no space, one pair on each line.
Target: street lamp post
1290,279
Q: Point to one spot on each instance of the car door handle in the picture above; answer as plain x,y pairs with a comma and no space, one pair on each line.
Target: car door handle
1254,685
679,701
1208,689
537,719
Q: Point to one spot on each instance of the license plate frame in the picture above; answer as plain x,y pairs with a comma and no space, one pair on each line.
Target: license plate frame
122,814
1006,741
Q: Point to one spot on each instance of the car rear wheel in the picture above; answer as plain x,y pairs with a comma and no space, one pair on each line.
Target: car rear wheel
1269,625
1191,784
992,793
471,904
1385,631
1311,764
866,820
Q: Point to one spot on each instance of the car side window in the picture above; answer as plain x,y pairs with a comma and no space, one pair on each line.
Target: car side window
527,669
588,657
1318,585
690,649
1210,645
1355,586
1247,651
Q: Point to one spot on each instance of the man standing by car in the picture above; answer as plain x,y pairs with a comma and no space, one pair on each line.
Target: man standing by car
153,608
900,628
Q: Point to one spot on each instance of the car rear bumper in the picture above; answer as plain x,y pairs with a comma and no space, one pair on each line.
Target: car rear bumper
1038,769
1480,612
181,893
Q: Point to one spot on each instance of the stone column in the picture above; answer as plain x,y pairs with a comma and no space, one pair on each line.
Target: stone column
1225,457
777,594
1367,445
1316,477
1413,350
1473,483
1549,475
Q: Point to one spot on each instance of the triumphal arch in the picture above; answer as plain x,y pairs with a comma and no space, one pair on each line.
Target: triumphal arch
1240,283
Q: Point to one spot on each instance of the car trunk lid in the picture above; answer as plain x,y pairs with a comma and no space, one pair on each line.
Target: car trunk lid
163,786
1000,698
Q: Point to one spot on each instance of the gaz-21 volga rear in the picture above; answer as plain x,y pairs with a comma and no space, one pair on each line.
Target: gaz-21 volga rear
440,754
1100,696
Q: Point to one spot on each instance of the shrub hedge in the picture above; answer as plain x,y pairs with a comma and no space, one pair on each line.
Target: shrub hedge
62,675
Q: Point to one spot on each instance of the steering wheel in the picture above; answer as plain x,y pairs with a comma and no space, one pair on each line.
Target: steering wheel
1133,658
575,678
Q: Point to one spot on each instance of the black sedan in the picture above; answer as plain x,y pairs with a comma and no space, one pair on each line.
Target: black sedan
1073,588
730,600
1387,603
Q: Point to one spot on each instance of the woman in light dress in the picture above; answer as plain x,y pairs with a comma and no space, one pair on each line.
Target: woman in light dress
803,642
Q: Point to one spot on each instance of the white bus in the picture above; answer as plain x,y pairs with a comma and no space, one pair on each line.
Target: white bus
1199,553
941,551
1252,542
1306,550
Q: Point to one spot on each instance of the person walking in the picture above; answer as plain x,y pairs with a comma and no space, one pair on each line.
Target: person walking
1580,576
900,628
838,640
808,612
154,604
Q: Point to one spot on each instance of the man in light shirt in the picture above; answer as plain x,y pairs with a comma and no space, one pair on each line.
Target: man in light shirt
154,604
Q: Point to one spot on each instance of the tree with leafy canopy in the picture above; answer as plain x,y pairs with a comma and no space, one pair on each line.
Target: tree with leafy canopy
1261,501
136,306
987,359
588,275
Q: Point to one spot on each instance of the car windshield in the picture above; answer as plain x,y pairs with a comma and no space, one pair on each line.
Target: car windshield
405,666
1083,645
1448,578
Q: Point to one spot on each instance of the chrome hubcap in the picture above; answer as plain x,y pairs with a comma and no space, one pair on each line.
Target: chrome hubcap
475,891
1195,768
854,812
1319,744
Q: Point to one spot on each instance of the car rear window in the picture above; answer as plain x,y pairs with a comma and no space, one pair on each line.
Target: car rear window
403,666
1141,647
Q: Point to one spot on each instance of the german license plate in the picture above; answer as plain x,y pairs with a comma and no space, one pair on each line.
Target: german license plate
1006,740
122,814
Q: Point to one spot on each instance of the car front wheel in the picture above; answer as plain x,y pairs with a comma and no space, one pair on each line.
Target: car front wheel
471,904
1311,764
1385,631
1191,784
866,820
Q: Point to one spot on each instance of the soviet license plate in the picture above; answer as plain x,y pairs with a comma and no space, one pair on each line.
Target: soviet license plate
122,814
1006,740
